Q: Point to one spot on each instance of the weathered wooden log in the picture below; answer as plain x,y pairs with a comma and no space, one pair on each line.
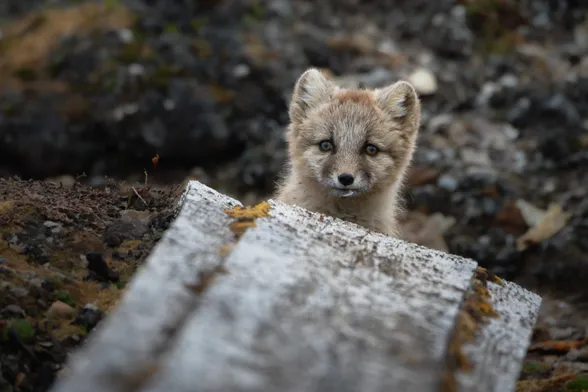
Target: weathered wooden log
276,298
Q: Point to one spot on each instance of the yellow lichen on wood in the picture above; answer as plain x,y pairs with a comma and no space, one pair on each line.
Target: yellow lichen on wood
225,249
475,311
484,275
246,216
258,211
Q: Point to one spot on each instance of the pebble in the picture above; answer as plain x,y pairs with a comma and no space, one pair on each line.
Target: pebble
19,292
424,81
89,316
60,309
13,310
241,71
447,182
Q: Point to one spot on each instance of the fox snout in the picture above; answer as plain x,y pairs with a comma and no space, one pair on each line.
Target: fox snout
345,179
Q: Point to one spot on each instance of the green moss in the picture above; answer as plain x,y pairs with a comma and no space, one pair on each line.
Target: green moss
531,367
163,74
111,5
172,28
131,52
255,14
580,383
26,74
65,297
198,23
23,329
8,109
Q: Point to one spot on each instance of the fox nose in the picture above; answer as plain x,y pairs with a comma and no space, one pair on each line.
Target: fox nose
345,179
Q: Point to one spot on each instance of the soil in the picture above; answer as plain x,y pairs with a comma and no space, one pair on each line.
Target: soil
66,254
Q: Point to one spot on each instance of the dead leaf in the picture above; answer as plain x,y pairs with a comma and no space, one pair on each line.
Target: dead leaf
560,346
530,213
552,222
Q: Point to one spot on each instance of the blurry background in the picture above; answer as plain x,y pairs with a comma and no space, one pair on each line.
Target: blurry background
94,89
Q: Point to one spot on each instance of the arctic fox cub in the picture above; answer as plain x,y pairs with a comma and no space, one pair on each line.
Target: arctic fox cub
349,150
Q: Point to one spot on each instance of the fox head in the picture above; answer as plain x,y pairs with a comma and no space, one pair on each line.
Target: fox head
351,141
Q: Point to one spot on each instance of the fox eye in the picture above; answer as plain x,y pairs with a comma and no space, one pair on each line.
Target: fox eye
370,149
325,146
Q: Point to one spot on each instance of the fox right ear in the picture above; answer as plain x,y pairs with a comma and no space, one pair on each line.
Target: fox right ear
401,102
311,89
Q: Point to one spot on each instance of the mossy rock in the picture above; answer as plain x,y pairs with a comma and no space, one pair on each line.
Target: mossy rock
23,329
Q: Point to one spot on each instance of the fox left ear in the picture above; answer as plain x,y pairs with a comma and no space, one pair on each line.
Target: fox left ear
400,101
311,90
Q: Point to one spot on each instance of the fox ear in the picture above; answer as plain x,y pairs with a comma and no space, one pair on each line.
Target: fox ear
311,90
401,102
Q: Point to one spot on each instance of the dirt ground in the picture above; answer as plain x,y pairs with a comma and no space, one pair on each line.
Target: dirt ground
66,253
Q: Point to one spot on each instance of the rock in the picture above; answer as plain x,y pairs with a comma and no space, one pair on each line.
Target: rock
89,316
125,229
13,311
424,81
450,35
19,292
53,227
60,309
98,268
144,217
447,182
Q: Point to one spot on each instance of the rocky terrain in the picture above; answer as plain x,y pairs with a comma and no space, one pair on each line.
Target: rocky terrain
152,92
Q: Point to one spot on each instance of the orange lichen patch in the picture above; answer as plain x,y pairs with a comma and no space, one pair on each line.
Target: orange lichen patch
246,216
475,311
556,383
484,276
225,249
241,227
559,346
258,211
27,42
206,278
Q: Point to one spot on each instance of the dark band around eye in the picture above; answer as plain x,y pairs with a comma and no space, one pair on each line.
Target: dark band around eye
325,145
370,149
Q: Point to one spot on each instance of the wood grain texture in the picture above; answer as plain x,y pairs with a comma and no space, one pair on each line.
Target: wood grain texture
307,303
